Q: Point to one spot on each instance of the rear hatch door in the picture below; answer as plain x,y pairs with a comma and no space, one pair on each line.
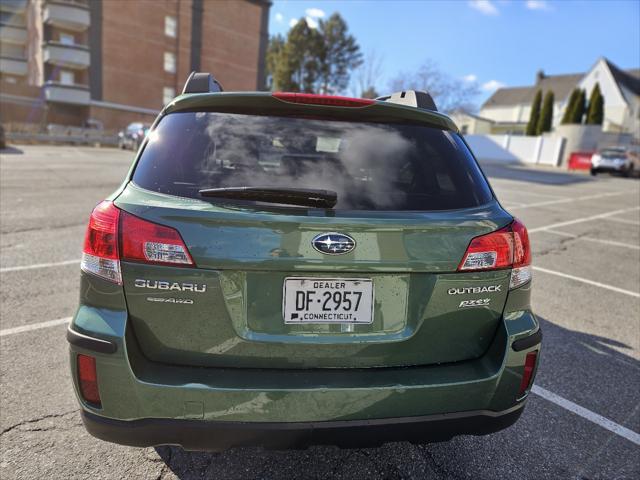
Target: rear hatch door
410,199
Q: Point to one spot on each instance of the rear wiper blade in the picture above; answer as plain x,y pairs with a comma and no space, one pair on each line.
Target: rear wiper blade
306,197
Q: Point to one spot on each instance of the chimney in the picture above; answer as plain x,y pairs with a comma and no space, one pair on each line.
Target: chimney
539,76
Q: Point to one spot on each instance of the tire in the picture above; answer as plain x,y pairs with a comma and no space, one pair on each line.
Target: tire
593,172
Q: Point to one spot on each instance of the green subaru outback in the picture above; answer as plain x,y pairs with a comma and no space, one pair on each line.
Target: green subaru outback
285,269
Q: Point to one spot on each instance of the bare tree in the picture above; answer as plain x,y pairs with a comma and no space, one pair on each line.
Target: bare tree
449,93
367,76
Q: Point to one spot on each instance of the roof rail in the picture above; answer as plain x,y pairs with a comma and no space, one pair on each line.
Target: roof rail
412,98
201,82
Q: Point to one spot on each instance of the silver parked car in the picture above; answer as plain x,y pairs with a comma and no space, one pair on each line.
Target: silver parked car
623,160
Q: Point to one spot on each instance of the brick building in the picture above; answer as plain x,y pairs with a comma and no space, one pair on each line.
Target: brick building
111,62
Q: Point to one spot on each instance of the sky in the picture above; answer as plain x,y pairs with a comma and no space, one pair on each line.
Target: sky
492,42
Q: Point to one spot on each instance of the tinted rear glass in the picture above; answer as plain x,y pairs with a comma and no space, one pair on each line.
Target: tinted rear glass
612,153
371,166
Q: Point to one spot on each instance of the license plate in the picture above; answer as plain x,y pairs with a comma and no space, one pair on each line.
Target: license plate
327,300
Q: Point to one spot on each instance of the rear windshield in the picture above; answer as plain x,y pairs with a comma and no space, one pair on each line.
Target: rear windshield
612,153
371,166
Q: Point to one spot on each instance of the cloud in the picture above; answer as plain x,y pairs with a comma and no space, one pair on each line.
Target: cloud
470,78
537,5
311,22
279,17
492,85
484,6
314,13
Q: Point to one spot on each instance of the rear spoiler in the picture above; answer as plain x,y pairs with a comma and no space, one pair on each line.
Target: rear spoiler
202,82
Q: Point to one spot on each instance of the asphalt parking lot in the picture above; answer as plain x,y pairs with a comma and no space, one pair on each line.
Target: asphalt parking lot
581,422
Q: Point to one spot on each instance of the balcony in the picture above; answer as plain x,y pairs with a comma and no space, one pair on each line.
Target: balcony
69,15
63,55
13,6
13,66
70,94
13,35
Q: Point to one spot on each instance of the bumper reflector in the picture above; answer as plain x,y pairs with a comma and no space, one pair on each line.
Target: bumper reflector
88,379
106,268
529,366
520,276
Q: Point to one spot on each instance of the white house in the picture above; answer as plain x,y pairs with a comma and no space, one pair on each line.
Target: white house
470,123
509,108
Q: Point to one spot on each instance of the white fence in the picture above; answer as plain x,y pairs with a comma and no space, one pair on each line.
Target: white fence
544,150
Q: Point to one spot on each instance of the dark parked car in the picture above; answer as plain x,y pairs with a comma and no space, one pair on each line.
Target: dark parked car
131,137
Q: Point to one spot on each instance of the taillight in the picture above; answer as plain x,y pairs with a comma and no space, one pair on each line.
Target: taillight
100,253
88,379
529,366
144,241
505,248
330,100
114,235
521,272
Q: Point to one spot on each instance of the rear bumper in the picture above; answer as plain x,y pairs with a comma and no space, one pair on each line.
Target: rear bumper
215,436
610,168
148,403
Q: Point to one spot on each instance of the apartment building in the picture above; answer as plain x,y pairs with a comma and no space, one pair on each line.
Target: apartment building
111,62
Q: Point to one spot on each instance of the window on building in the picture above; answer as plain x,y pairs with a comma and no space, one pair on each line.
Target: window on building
67,39
169,62
170,26
67,77
167,94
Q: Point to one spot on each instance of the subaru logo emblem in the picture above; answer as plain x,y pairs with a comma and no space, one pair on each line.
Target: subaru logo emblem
333,243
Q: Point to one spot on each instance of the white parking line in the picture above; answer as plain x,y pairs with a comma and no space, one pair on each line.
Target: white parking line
576,199
583,219
623,220
509,205
500,190
588,282
34,326
38,265
587,414
595,240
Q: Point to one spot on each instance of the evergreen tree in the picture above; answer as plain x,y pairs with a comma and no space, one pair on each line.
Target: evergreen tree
302,52
535,114
546,115
292,63
370,93
579,109
339,55
571,104
278,73
595,112
315,60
